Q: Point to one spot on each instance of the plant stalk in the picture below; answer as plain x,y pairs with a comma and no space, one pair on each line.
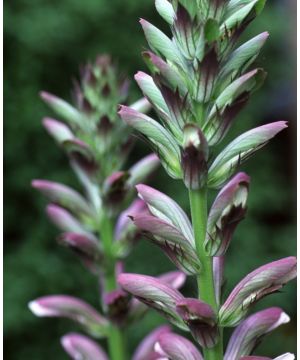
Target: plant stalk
116,339
205,280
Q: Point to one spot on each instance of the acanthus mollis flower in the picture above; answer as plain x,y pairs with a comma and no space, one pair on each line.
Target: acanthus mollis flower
75,309
92,130
65,196
125,233
265,280
82,347
201,320
183,312
167,226
250,332
226,212
87,248
174,279
117,303
119,186
198,87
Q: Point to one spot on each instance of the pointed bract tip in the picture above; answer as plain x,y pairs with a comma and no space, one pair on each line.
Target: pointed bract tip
46,96
36,308
241,177
52,208
121,279
141,187
36,183
124,110
284,318
282,124
48,122
120,108
143,22
265,34
140,75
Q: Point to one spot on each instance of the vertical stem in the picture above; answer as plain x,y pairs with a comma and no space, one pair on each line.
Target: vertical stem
205,280
116,340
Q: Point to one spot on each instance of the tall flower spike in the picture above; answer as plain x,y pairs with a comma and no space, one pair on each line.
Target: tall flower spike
265,280
81,347
247,335
72,308
226,212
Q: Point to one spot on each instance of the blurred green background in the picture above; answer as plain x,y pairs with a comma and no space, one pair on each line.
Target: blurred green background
45,41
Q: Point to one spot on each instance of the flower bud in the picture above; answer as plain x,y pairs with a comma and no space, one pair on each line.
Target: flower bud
249,333
201,320
194,157
259,283
72,308
225,214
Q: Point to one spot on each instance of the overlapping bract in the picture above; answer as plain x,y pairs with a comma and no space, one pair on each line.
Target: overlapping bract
198,86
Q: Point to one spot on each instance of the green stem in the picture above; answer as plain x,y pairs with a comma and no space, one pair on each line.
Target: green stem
116,340
205,280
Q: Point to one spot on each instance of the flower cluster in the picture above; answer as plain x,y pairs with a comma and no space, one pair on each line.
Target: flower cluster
95,223
199,84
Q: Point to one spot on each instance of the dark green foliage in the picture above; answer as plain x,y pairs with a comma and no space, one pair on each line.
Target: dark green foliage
45,41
